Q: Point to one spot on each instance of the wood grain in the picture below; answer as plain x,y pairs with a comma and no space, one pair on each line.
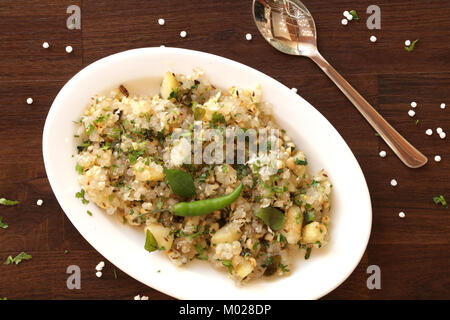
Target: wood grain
413,253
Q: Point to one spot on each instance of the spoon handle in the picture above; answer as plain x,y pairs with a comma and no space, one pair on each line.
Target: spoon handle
409,155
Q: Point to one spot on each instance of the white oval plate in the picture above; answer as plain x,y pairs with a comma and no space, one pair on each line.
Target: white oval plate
351,216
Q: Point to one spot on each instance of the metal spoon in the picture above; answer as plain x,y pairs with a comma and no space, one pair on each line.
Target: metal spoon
289,27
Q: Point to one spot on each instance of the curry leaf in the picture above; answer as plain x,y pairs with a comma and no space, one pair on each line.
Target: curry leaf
180,182
272,217
150,242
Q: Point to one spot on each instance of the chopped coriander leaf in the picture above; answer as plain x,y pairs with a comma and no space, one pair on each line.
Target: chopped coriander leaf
301,162
66,251
309,216
227,263
354,14
308,253
90,129
417,122
133,155
79,169
89,213
284,267
80,195
3,225
7,202
440,200
18,259
377,134
217,118
411,46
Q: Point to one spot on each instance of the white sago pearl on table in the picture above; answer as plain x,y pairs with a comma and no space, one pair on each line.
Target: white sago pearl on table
442,135
437,158
401,214
346,13
411,113
183,34
373,39
294,90
439,130
382,153
69,49
39,202
393,182
161,21
413,104
45,45
248,36
429,132
29,100
344,22
98,274
407,43
442,105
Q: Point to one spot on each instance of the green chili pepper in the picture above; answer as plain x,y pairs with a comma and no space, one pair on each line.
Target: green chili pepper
202,207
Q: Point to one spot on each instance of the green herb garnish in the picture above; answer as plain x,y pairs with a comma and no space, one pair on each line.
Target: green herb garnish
411,46
354,14
80,195
272,217
79,169
440,200
227,263
3,225
150,242
180,182
7,202
18,259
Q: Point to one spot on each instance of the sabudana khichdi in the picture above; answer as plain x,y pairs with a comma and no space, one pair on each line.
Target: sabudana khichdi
243,218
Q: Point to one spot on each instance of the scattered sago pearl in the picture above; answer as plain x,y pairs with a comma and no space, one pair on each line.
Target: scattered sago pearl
162,46
442,135
39,202
429,132
383,154
373,39
29,100
294,90
393,182
69,49
413,104
45,45
138,297
439,130
349,17
102,264
248,36
183,34
402,214
346,13
411,113
161,21
442,105
437,158
98,274
144,298
407,43
344,22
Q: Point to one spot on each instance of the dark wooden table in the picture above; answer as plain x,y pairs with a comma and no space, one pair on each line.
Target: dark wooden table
413,253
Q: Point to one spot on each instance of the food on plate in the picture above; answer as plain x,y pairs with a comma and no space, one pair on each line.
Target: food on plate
138,158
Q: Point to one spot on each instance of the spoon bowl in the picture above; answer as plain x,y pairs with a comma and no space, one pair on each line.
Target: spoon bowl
289,27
